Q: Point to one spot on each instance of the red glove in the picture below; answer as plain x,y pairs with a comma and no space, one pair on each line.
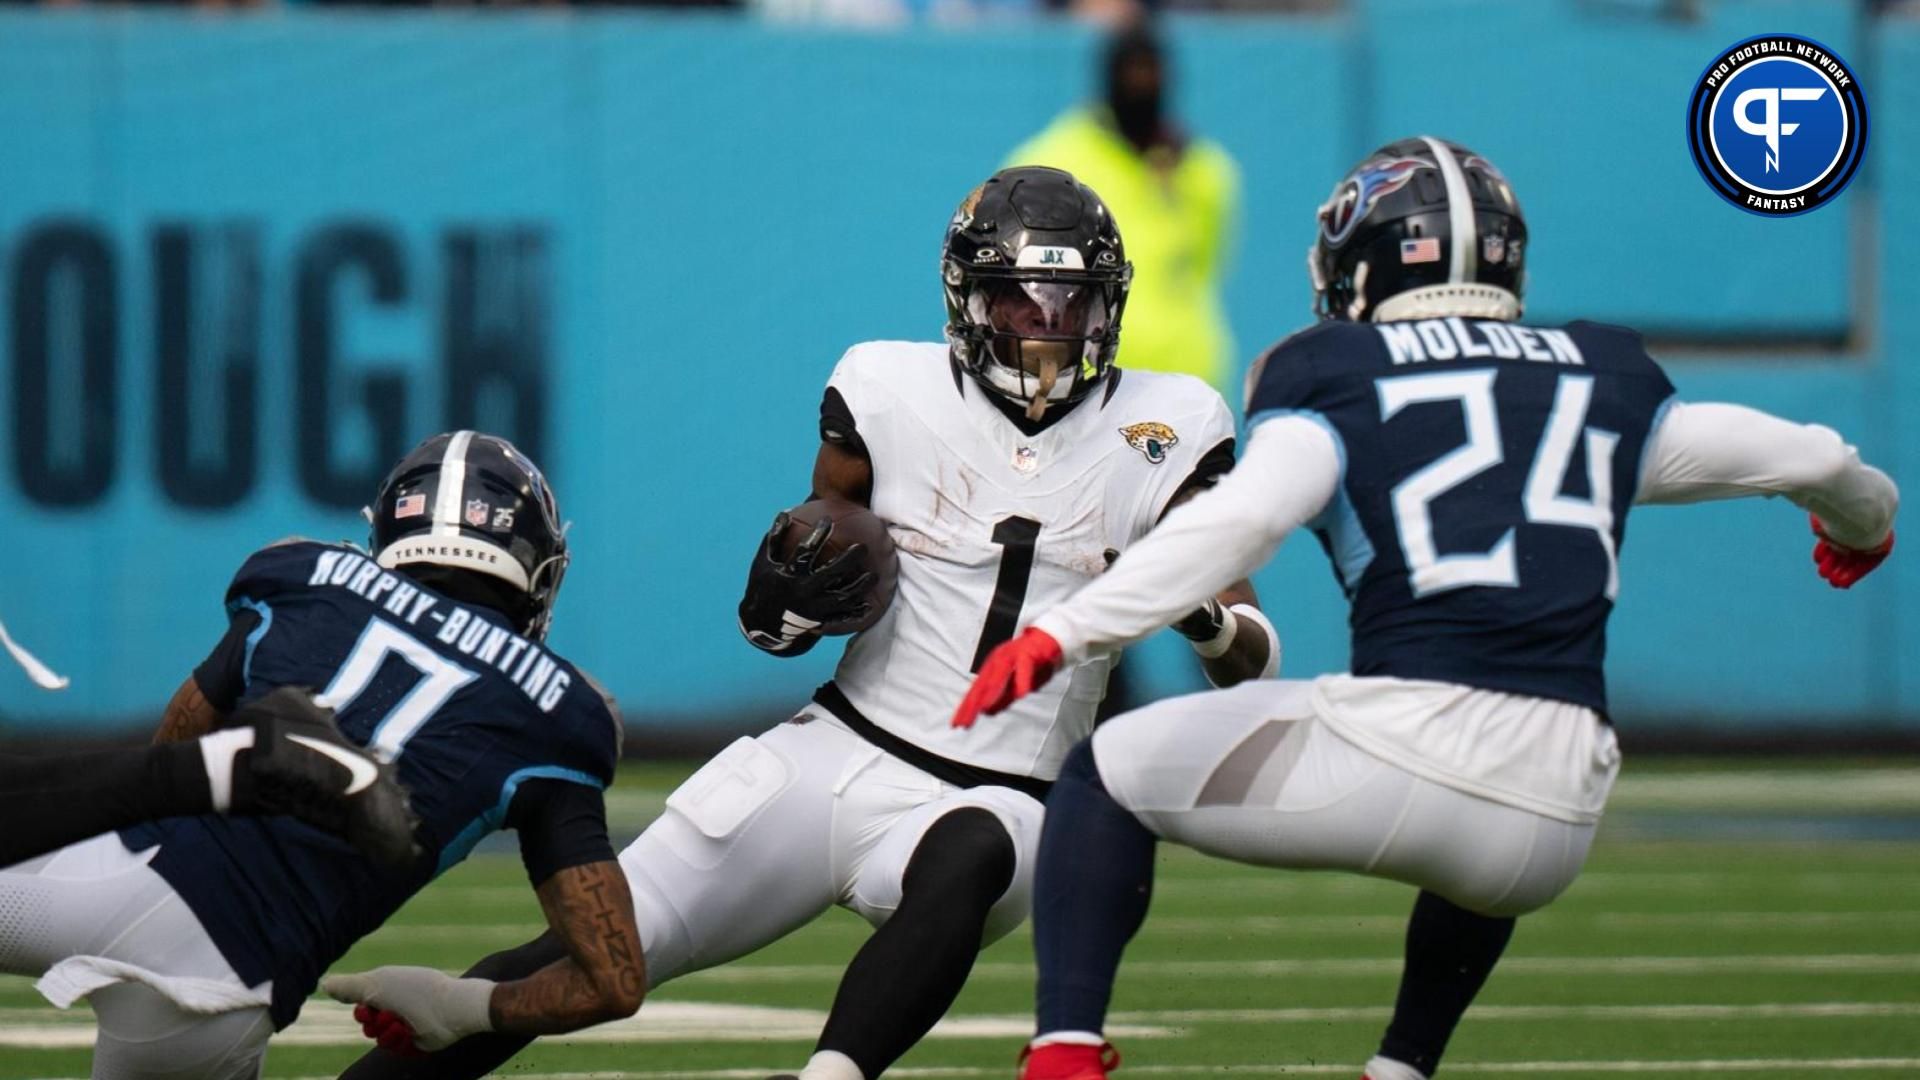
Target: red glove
1012,670
386,1028
1842,565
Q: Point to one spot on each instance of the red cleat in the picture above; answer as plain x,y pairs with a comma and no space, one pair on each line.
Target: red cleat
1068,1061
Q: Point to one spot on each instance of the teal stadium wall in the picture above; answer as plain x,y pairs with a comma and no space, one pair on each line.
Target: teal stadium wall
640,243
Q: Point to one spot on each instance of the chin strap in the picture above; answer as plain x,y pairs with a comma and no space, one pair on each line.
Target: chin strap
1049,374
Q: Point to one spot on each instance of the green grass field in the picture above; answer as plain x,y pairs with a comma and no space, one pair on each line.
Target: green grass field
1749,918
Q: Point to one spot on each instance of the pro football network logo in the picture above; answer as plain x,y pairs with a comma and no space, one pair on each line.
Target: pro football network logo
1777,125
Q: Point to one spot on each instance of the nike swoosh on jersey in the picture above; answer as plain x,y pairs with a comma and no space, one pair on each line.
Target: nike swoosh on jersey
364,772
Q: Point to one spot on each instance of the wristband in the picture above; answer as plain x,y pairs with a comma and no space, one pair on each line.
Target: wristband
1272,666
1216,646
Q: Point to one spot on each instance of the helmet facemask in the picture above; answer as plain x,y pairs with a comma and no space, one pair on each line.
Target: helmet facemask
1036,339
1043,337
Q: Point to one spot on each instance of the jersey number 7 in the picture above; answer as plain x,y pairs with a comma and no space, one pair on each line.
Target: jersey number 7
1543,501
440,678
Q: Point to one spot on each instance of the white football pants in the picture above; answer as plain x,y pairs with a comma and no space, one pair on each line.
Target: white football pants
97,922
776,829
1252,774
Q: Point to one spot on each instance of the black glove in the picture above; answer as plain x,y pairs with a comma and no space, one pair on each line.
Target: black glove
790,604
299,764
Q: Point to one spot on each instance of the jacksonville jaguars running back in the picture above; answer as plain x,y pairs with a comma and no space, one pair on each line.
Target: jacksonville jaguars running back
195,938
1470,477
1009,463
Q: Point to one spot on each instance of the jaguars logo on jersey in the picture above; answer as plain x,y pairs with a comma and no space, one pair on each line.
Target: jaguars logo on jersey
1152,439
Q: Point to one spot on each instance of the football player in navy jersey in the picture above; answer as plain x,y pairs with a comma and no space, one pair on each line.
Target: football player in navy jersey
1469,477
195,938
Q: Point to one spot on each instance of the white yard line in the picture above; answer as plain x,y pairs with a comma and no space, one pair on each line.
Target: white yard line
326,1024
1554,966
1792,1066
323,1023
1498,1013
1393,925
1867,790
1396,925
1779,881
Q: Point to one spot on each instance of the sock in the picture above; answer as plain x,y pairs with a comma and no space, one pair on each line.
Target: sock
1091,890
50,802
1450,953
217,751
831,1065
1069,1038
1381,1068
904,978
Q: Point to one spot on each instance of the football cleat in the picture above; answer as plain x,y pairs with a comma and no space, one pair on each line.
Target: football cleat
1068,1061
299,765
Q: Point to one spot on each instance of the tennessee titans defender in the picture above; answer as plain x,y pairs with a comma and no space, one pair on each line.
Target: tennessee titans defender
1470,478
195,938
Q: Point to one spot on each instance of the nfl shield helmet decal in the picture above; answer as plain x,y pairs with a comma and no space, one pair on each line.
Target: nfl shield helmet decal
477,512
1152,439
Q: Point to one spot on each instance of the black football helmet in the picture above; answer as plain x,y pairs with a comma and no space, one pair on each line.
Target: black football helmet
1422,228
1036,279
470,501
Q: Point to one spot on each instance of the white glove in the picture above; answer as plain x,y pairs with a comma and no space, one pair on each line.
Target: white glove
439,1008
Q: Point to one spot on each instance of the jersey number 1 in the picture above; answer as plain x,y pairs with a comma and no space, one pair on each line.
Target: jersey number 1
1017,536
1543,501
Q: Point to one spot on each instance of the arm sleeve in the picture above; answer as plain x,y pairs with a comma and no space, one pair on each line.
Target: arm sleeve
561,824
837,423
1287,476
222,676
1705,451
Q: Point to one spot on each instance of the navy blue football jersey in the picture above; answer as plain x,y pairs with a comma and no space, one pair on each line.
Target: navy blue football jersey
467,709
1487,471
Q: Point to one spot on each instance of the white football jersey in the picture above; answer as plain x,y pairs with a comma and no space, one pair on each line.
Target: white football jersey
994,527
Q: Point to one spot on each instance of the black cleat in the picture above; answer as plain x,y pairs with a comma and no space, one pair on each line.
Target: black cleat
300,765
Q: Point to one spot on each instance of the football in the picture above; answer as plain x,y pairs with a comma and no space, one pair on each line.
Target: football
852,524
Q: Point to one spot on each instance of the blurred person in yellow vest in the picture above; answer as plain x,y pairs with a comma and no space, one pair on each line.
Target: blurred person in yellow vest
1177,195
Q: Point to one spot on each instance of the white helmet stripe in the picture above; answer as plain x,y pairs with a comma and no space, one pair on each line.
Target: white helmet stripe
452,482
1465,262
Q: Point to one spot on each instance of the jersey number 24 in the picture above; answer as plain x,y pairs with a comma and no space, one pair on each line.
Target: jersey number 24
1543,501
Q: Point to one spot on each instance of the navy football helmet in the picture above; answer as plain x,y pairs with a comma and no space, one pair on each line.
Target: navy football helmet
1423,228
468,501
1036,279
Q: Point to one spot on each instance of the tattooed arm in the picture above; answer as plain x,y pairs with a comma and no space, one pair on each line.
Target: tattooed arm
189,715
586,970
604,974
212,692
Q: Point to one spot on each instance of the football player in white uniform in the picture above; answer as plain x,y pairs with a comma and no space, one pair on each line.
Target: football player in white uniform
1010,464
1470,477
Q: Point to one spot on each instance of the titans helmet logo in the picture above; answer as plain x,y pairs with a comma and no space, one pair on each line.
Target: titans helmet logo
1359,191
